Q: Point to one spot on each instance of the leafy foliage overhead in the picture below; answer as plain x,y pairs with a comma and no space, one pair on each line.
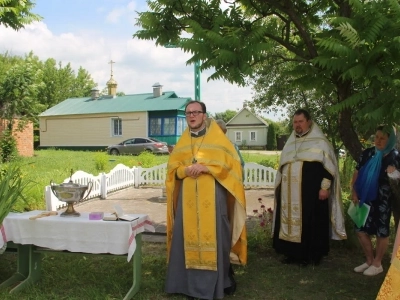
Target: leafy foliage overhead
17,13
343,52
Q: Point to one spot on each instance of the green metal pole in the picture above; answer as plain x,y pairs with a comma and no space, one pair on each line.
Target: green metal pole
196,74
197,80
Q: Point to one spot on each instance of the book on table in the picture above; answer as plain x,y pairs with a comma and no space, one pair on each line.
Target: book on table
119,215
127,217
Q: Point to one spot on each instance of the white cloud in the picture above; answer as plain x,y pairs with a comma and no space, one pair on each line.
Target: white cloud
115,15
139,64
132,6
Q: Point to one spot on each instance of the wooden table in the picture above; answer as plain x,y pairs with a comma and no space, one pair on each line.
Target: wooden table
32,238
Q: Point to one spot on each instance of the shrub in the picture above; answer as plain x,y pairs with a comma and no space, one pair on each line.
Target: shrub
271,137
268,163
12,185
101,161
346,173
8,146
146,159
347,166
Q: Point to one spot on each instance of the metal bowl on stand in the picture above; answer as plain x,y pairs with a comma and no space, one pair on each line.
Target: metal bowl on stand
70,193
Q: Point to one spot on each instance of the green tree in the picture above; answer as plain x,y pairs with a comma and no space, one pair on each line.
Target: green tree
104,91
82,84
18,92
53,91
17,13
61,83
55,82
271,137
66,78
226,115
286,91
283,127
18,100
347,50
28,86
6,62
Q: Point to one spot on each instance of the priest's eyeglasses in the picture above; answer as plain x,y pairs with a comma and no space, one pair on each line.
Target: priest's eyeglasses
194,113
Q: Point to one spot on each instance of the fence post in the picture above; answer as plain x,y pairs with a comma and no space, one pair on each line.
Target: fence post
47,197
51,200
245,179
103,186
135,177
163,197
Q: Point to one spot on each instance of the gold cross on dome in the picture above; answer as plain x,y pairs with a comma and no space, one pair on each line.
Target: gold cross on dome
111,62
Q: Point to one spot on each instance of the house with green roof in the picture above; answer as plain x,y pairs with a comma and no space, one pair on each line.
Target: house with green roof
98,121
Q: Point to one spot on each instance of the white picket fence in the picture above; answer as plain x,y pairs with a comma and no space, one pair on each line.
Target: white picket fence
256,176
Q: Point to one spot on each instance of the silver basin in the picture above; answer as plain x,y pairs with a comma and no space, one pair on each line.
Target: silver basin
70,193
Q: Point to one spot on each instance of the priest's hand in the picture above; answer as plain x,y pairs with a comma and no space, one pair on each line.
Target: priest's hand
323,194
196,170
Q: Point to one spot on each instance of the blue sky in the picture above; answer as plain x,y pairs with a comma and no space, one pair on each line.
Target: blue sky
89,33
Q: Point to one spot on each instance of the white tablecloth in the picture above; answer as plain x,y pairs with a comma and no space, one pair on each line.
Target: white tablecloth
75,234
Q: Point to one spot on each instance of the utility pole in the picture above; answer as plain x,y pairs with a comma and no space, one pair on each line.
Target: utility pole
196,74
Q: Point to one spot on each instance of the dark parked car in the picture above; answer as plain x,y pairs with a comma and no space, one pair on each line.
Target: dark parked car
137,145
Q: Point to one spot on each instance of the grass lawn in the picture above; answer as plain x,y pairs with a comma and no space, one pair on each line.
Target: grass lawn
56,165
97,277
81,276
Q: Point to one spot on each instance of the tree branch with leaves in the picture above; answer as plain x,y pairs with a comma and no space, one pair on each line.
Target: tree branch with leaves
17,13
343,52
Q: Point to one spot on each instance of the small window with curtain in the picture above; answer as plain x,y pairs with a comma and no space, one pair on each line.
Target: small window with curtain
182,124
169,126
238,136
155,126
116,126
253,136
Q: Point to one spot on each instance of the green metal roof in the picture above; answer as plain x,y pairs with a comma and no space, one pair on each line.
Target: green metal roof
119,104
